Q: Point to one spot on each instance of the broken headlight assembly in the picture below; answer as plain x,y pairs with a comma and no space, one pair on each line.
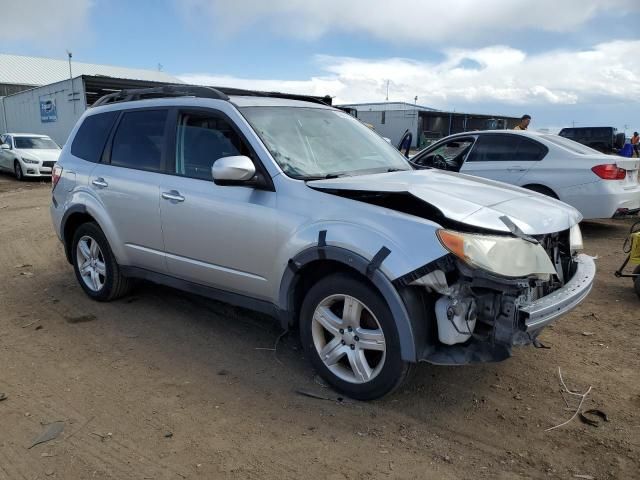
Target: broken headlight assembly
502,255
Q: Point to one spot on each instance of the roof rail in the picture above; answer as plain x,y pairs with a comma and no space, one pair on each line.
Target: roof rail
326,100
159,92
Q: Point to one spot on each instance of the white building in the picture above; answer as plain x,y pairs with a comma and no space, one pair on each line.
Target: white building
43,96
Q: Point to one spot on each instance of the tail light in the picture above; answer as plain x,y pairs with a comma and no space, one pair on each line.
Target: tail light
56,173
609,172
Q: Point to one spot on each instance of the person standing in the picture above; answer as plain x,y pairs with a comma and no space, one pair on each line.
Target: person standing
524,123
635,143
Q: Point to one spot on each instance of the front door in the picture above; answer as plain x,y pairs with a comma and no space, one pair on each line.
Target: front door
503,157
219,236
6,156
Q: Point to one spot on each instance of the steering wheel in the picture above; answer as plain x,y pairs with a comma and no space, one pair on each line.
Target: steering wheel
439,162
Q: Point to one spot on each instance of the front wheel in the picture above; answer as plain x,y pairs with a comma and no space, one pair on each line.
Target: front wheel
17,171
349,332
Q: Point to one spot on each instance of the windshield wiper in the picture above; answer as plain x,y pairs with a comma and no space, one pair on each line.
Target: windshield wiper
328,176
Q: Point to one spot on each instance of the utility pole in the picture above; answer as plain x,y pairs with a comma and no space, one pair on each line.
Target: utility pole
73,94
387,90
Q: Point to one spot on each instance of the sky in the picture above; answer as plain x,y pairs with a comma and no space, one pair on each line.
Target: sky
569,62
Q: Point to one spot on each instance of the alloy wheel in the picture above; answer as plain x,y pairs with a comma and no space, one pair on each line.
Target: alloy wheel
348,338
91,264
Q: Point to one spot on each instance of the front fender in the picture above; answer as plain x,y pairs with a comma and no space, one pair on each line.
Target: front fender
406,325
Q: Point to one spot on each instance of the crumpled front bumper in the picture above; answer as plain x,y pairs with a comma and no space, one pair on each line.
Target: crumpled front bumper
540,313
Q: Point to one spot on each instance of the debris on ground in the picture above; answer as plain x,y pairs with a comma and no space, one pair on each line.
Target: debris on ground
50,433
168,434
593,412
577,394
306,393
3,396
588,334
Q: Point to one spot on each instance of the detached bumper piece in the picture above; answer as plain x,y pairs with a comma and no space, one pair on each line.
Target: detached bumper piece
545,310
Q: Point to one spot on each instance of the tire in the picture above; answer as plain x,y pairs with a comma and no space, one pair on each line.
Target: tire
17,171
543,190
379,368
636,281
102,279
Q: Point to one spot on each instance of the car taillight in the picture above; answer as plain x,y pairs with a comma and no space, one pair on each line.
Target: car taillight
56,173
609,171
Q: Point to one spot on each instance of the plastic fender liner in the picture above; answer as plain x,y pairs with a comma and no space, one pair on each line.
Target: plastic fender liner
357,262
78,208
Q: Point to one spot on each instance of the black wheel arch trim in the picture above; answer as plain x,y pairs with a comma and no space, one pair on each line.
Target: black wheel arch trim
63,224
406,324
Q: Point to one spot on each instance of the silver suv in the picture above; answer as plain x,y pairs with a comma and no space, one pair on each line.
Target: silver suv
288,206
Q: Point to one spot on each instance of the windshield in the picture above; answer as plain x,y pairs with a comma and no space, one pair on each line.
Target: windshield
320,143
571,145
36,143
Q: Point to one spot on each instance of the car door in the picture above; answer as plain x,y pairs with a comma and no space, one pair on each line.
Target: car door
503,157
127,183
6,156
218,236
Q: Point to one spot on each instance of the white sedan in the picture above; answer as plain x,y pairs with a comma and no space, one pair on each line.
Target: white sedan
598,185
28,154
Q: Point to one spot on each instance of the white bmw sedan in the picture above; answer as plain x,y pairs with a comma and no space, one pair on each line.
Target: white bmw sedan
598,185
28,154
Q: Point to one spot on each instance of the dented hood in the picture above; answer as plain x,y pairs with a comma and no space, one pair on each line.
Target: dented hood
463,198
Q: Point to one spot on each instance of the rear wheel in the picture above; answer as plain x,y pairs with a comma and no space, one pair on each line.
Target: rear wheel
17,171
348,331
636,280
95,266
543,190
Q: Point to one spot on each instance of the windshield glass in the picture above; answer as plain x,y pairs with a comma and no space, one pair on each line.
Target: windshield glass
571,145
319,143
37,143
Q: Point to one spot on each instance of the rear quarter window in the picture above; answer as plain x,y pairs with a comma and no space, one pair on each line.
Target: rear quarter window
92,135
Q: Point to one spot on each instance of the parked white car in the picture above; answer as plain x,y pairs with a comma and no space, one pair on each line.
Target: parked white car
28,154
598,185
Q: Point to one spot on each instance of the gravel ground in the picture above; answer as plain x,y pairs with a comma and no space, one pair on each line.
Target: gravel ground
167,385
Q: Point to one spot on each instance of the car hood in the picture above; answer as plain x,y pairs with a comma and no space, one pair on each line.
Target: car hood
40,154
463,198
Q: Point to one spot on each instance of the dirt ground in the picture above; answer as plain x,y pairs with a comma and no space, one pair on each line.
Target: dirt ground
167,385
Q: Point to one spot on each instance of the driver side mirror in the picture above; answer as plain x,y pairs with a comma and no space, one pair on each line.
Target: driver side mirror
5,146
236,170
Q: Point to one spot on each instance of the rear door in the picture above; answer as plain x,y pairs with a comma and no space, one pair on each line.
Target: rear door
128,184
503,157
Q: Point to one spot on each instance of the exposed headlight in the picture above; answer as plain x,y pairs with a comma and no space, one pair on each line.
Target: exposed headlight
575,239
28,160
507,256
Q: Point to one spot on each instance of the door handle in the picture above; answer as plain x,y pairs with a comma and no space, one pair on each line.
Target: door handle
99,182
516,169
173,195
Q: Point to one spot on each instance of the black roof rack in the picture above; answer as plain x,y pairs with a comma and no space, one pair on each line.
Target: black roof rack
160,92
217,93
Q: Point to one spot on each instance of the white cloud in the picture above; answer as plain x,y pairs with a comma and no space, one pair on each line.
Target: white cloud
462,21
43,21
500,75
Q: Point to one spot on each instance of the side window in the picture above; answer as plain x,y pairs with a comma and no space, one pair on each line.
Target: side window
201,140
139,140
495,148
92,135
530,150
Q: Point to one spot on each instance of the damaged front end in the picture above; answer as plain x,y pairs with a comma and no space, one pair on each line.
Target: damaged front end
483,301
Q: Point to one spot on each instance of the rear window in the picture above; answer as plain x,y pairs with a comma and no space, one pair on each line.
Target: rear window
139,139
570,145
90,140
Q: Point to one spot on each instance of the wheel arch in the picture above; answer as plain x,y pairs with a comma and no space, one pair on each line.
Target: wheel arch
313,263
539,188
